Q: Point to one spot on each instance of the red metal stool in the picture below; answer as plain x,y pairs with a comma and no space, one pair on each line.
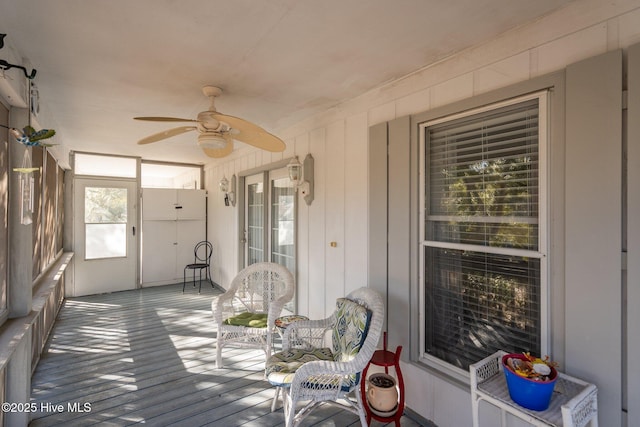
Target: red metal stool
384,358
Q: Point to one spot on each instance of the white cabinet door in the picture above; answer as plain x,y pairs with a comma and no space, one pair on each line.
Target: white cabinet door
159,246
172,204
174,221
191,204
189,233
159,204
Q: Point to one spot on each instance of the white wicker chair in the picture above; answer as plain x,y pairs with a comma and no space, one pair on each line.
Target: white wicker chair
307,369
261,290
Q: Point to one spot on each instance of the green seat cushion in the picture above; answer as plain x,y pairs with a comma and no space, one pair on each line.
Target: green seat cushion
349,333
281,367
252,320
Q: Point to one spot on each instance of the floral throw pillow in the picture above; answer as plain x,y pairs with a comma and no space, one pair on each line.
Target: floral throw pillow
350,330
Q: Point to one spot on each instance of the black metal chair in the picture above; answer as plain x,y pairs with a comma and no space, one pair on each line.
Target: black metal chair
201,261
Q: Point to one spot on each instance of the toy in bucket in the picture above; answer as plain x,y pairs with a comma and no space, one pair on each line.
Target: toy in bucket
530,380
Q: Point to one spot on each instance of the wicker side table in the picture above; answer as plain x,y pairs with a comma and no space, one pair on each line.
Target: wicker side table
574,402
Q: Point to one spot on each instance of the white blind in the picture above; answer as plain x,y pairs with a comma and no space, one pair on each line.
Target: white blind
481,202
483,178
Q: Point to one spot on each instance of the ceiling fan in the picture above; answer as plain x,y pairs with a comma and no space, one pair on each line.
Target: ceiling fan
217,131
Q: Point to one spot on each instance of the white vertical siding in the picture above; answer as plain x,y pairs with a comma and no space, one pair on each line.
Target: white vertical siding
627,26
456,89
508,71
338,141
334,215
356,178
315,292
574,47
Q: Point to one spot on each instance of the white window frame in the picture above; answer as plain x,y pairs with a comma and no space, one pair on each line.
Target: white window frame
543,227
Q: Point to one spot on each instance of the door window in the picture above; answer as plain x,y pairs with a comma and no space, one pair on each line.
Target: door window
105,218
283,222
270,218
255,220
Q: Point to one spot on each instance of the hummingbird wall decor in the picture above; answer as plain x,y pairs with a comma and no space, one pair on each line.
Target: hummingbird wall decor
30,137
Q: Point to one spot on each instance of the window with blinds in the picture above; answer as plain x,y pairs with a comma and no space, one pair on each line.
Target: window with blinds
482,250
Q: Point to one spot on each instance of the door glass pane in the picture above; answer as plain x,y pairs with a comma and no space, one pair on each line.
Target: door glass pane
255,223
282,222
105,217
105,240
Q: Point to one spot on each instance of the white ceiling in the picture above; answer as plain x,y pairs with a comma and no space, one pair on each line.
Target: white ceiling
100,63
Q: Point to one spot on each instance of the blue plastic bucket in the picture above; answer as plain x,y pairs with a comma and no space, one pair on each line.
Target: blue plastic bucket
534,395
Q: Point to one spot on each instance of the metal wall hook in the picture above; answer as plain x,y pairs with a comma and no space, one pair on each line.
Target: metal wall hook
4,65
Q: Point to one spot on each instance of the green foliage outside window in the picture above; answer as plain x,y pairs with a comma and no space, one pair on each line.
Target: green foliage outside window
105,205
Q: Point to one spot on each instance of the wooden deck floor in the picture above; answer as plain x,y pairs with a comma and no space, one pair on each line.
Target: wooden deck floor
148,356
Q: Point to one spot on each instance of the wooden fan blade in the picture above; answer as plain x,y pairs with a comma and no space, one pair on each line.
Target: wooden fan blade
263,141
251,133
164,119
238,123
166,134
217,153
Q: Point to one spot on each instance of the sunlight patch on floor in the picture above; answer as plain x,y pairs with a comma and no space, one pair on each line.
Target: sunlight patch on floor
120,378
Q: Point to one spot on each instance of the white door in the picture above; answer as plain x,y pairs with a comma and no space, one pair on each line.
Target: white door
270,215
270,220
105,236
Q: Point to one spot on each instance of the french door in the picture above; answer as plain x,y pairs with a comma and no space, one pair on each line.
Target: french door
270,219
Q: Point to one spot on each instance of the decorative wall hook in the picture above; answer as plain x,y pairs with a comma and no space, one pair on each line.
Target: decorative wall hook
4,65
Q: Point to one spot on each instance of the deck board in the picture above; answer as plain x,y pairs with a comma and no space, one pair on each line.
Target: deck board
148,356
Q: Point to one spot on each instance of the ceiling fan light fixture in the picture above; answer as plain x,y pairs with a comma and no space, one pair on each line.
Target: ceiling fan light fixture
211,140
217,131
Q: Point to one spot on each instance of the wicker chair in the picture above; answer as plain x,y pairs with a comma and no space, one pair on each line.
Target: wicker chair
245,314
322,360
